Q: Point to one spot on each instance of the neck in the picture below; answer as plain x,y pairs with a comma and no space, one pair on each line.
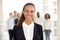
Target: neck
28,21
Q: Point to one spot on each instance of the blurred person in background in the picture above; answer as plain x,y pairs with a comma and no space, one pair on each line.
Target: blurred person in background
15,14
47,26
10,25
16,20
39,19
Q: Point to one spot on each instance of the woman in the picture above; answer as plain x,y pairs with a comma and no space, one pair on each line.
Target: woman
26,29
47,26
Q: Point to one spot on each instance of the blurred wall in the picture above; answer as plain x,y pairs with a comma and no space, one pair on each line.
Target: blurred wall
58,12
1,14
1,19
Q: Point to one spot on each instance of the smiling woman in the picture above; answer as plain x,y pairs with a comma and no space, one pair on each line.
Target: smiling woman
42,6
26,29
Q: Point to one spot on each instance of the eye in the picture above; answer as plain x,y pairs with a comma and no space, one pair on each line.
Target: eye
26,10
32,11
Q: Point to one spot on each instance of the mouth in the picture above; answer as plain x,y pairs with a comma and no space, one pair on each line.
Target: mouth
28,17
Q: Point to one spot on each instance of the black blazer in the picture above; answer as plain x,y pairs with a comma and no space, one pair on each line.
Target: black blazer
19,33
16,21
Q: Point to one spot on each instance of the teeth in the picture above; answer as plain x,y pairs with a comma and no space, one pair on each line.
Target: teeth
28,16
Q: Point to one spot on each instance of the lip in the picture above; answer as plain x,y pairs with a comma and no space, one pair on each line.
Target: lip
28,17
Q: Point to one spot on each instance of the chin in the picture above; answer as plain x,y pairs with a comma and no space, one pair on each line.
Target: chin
29,18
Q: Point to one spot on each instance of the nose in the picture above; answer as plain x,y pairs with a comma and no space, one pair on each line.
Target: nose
29,13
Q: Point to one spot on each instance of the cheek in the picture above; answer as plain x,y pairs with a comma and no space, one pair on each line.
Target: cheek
24,14
33,15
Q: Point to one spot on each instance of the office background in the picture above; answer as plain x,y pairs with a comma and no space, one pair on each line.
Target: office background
43,6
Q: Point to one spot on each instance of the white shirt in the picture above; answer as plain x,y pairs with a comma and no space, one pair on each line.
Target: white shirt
15,17
47,24
28,30
10,23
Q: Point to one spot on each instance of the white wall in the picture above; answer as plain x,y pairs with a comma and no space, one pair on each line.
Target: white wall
58,23
1,14
1,19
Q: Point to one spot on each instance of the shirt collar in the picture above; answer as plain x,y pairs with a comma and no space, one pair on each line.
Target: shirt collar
26,25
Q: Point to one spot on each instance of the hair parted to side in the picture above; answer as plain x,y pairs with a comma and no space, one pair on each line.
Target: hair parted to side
22,18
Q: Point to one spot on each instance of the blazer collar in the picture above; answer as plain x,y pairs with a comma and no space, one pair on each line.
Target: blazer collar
34,34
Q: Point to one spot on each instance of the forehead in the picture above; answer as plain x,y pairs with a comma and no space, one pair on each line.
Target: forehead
29,7
47,14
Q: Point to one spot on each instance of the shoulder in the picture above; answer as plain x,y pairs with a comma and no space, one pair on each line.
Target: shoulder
16,19
16,27
38,26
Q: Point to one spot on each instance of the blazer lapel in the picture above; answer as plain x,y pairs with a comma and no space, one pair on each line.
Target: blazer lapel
22,33
35,32
36,35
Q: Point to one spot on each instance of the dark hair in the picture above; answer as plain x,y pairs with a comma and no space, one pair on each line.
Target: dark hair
46,15
38,14
22,18
14,11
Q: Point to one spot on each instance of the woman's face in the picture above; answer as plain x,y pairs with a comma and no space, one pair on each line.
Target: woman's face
47,16
29,12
